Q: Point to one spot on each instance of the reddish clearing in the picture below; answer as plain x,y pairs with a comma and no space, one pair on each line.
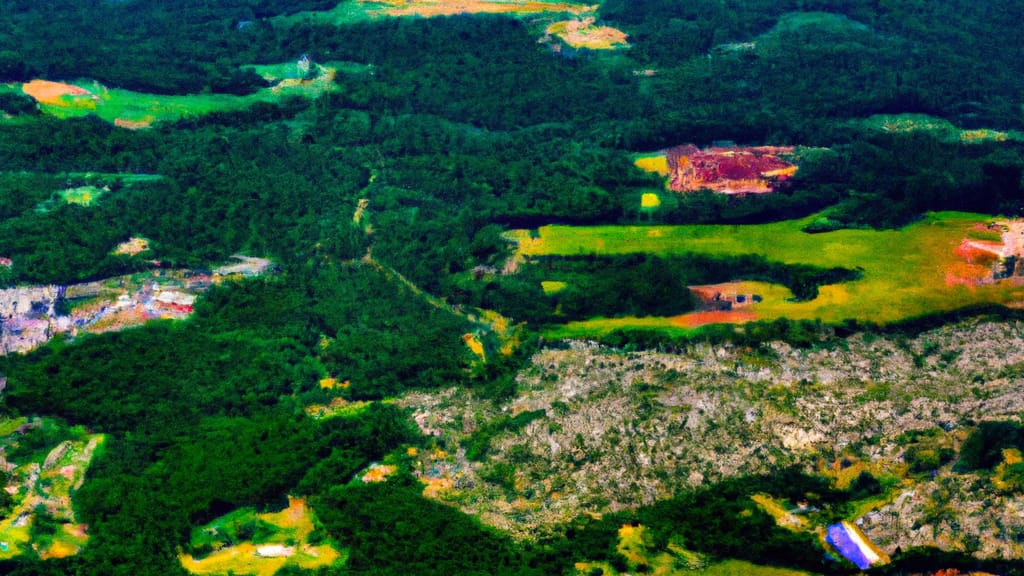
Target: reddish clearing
729,170
696,319
976,252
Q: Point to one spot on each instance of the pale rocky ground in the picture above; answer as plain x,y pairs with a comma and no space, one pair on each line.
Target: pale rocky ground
626,429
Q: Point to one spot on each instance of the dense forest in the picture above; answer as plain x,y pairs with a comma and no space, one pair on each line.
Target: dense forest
457,129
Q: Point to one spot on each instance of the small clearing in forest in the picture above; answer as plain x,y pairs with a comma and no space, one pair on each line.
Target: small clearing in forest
584,33
221,550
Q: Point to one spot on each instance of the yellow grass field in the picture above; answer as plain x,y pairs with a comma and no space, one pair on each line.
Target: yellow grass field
656,163
553,286
649,201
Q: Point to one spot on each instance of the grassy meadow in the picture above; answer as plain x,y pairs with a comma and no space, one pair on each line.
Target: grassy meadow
129,109
905,273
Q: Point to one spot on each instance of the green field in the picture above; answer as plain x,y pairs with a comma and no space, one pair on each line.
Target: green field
905,273
138,110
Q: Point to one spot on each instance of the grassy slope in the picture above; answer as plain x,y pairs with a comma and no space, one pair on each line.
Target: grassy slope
904,271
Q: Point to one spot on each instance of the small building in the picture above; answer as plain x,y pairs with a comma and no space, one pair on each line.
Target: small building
275,551
174,301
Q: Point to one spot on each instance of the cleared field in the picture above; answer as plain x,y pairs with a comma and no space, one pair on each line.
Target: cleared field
906,273
135,110
287,546
360,10
584,33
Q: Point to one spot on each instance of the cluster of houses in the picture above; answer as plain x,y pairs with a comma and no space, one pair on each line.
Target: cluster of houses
32,315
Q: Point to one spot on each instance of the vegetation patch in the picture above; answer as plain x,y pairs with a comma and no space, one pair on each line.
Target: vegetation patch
939,127
904,273
129,109
560,289
132,246
649,201
361,10
656,162
553,286
246,542
47,465
585,33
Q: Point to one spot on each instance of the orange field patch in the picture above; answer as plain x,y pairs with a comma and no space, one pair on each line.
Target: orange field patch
48,92
696,319
378,473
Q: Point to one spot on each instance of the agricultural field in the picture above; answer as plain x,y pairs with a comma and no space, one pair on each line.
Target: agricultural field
935,265
247,542
135,110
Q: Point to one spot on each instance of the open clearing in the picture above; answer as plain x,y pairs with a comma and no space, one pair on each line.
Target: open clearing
906,273
579,32
584,33
352,12
722,169
135,110
287,546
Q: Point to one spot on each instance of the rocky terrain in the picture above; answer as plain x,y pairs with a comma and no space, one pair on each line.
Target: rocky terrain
607,430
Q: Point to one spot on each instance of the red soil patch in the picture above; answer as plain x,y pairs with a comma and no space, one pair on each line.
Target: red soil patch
729,170
977,252
695,319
